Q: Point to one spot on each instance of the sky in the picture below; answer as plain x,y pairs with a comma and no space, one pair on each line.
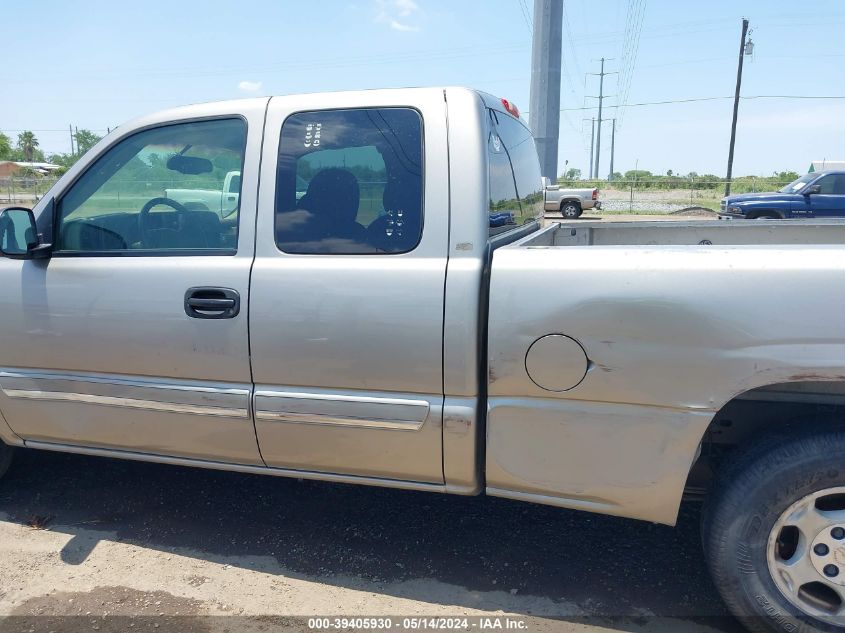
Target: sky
95,64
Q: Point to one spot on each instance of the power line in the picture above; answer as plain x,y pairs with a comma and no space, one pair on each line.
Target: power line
529,14
697,99
523,9
571,40
636,18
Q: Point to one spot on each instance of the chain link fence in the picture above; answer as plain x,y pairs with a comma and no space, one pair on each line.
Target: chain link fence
659,196
24,190
643,196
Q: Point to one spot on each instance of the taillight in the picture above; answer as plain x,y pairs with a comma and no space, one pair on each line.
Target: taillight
595,194
510,108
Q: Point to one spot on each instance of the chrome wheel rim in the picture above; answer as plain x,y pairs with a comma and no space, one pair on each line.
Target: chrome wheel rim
570,211
806,554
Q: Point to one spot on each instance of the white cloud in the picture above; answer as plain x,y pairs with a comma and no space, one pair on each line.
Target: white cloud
389,11
249,86
406,7
399,26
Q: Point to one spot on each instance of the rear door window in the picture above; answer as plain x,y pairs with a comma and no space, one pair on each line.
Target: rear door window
350,182
516,193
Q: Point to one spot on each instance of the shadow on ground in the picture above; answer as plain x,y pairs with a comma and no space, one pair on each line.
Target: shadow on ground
608,567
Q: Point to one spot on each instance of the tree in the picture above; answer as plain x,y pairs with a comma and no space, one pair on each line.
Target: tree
85,140
786,176
572,174
27,145
638,174
5,147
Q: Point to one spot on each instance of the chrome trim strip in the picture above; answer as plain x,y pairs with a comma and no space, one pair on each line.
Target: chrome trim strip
317,418
126,382
341,398
129,403
118,391
369,412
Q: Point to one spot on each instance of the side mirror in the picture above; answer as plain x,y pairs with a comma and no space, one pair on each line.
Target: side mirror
813,189
19,235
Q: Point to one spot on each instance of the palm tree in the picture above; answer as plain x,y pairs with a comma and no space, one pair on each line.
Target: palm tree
27,144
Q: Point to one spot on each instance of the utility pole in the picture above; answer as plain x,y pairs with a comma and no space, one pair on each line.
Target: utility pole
612,150
544,103
70,128
736,107
601,98
592,147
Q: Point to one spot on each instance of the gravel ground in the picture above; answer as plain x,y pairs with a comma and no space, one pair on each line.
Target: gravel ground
655,201
96,544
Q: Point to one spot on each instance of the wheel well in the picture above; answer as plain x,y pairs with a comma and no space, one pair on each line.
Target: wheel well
756,214
575,200
763,412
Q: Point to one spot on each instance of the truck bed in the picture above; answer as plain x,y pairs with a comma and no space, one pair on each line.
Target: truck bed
696,232
607,364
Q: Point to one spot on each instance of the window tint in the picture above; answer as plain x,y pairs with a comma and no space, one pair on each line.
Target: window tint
504,207
833,184
159,190
512,153
350,182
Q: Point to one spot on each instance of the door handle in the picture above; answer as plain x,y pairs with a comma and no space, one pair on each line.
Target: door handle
208,302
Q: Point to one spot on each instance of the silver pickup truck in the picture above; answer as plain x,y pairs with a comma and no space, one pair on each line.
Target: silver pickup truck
384,307
570,203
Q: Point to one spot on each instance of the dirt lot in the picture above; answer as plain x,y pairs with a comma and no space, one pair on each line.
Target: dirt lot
95,544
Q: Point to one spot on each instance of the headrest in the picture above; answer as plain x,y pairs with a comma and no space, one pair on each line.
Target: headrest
332,194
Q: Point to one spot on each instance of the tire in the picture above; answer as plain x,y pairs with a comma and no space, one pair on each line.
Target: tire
6,453
570,209
767,216
769,510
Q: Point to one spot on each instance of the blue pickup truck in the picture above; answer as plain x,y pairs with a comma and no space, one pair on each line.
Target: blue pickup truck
814,195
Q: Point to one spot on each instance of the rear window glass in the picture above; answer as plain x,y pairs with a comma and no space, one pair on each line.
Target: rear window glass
516,193
350,182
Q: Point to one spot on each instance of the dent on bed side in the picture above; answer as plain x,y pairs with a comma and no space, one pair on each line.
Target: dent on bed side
626,460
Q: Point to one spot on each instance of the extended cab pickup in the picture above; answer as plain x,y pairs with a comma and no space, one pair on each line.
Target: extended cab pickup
814,195
570,203
365,315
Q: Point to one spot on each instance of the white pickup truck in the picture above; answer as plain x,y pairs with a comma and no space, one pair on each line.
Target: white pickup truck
224,202
570,203
384,307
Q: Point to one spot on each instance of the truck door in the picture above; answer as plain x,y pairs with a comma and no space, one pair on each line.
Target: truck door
830,201
133,336
346,313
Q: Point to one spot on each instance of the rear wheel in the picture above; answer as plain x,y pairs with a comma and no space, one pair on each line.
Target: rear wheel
774,534
570,209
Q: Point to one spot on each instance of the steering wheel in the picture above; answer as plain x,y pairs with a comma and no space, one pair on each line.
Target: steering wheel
144,217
